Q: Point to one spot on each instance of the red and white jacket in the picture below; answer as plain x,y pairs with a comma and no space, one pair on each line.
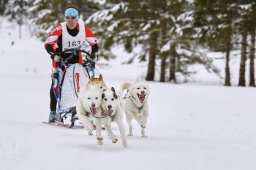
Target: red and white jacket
54,41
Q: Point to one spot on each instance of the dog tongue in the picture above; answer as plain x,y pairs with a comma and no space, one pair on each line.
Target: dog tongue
107,112
142,97
93,110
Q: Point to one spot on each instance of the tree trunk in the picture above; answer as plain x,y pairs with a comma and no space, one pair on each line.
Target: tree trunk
20,31
227,69
21,5
243,60
163,67
164,54
152,56
173,63
252,51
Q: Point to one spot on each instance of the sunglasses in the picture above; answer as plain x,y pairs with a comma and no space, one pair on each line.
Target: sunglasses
70,17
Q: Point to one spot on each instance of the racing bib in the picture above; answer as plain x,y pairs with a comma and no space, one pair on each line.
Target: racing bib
70,42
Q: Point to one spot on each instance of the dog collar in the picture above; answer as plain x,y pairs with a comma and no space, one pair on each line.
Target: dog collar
139,108
99,117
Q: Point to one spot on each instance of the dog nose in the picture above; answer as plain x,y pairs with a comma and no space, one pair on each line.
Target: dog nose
109,106
93,104
142,92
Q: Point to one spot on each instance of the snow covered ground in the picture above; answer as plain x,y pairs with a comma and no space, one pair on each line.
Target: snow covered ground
191,127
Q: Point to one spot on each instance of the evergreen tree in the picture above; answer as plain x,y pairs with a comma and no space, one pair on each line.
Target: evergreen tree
246,25
134,23
214,20
3,4
18,10
243,59
252,56
128,23
251,15
180,42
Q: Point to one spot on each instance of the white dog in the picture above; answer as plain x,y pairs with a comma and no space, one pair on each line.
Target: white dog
89,108
111,105
136,104
88,104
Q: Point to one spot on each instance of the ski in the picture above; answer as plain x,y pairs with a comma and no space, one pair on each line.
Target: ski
56,124
63,125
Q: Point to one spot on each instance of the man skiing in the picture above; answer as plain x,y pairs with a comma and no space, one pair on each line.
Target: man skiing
70,34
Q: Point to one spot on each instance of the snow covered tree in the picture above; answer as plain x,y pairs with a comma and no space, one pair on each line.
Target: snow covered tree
252,56
175,19
153,25
246,25
220,23
214,20
18,11
3,4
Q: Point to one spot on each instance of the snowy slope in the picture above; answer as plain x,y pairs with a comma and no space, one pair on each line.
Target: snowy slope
191,127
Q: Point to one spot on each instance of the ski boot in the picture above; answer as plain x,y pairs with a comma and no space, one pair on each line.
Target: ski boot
58,118
52,116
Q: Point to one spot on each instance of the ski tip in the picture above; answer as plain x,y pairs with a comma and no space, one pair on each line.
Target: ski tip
55,124
64,125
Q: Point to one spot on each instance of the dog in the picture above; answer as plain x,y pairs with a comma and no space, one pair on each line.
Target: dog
89,105
111,106
136,103
98,83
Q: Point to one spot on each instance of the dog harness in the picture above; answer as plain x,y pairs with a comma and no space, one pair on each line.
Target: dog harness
126,97
98,117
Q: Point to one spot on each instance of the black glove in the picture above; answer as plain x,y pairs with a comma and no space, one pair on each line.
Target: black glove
92,65
54,75
89,65
55,57
94,56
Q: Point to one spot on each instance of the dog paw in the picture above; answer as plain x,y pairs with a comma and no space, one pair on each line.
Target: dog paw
114,140
124,144
90,133
100,141
130,134
144,136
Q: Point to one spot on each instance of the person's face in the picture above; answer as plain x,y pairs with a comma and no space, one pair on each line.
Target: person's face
71,22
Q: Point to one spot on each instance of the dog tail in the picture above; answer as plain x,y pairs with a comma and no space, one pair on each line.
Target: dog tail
126,86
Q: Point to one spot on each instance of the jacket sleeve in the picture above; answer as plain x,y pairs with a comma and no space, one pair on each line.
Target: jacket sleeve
91,39
52,41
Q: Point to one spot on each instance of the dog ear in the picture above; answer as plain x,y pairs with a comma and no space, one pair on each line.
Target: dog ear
91,80
113,89
100,77
137,80
140,79
115,96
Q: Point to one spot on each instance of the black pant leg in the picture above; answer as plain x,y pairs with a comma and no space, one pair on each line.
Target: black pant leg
53,101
